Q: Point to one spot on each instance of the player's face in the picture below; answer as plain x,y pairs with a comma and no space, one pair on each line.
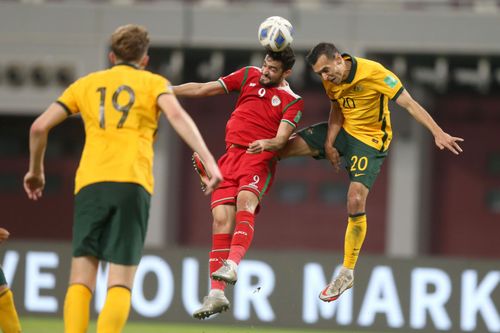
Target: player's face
332,70
272,72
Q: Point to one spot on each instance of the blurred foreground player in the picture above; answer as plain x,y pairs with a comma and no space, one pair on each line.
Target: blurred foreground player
9,321
120,108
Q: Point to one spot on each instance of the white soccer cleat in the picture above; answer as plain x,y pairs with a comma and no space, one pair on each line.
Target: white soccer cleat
337,287
212,305
227,272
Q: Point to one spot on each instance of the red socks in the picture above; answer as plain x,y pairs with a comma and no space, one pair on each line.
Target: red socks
220,250
242,236
232,247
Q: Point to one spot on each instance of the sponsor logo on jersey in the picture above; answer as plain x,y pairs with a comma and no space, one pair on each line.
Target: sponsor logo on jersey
275,101
358,88
390,81
253,84
358,174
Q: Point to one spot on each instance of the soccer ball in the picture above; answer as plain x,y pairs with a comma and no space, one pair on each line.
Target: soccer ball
276,33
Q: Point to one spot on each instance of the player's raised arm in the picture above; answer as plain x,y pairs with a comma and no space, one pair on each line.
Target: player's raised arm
195,89
441,138
34,180
188,131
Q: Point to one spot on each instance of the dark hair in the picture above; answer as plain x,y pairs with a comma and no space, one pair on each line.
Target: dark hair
287,57
327,49
130,42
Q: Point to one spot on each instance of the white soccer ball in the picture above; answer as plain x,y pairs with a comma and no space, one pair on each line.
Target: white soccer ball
276,33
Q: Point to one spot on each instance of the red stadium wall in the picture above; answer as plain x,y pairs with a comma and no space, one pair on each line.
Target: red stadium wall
51,217
466,218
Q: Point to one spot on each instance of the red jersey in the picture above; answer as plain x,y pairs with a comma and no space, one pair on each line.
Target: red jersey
259,109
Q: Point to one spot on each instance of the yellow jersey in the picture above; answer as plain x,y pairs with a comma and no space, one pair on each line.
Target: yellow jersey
120,114
363,98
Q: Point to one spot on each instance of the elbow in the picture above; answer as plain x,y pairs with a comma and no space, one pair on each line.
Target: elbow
38,128
173,115
281,145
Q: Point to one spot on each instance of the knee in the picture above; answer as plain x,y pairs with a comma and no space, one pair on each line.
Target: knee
355,202
220,222
247,201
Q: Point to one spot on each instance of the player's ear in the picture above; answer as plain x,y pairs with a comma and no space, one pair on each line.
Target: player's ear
144,61
112,57
287,73
338,58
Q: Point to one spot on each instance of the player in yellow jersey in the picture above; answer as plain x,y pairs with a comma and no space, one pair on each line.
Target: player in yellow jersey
9,320
120,108
359,130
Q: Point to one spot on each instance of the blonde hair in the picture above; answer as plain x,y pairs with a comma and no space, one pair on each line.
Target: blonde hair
130,42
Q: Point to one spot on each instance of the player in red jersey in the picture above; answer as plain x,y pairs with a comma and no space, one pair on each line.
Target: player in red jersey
265,115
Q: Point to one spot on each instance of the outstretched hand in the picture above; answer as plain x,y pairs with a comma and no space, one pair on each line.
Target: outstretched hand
34,185
444,140
214,180
256,147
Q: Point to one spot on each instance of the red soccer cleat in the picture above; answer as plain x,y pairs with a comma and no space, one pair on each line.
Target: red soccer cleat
201,170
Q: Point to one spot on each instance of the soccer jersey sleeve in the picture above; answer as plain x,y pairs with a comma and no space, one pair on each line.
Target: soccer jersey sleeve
160,86
292,112
68,99
235,80
387,83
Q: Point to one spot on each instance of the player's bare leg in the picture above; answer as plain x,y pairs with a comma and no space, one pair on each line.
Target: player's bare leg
354,238
296,146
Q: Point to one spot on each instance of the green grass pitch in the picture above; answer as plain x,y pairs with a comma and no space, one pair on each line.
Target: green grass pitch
51,325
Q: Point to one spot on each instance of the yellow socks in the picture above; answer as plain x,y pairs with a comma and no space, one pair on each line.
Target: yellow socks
354,237
9,321
114,315
77,309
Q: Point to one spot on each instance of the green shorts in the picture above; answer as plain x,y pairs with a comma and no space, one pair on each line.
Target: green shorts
3,281
110,222
362,162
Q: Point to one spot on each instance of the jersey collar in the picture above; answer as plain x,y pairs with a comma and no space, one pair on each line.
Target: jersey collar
354,67
127,64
